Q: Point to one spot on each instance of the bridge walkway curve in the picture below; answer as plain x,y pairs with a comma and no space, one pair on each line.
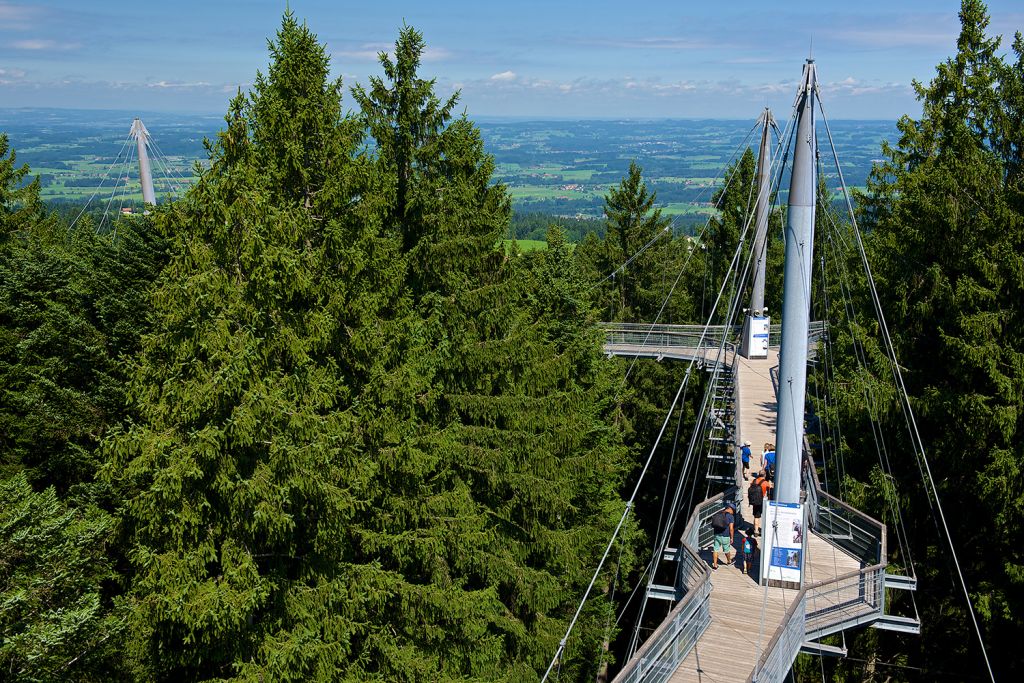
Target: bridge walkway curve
715,633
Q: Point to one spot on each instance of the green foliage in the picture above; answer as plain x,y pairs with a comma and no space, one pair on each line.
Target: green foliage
367,443
534,226
242,473
633,285
405,118
946,232
20,207
53,562
500,466
71,306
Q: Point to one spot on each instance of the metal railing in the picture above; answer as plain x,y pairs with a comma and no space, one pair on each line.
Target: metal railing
673,640
694,336
682,336
826,607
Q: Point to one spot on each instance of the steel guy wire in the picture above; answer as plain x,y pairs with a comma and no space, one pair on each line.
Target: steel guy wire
908,410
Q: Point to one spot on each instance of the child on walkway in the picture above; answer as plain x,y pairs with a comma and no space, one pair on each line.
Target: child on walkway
747,550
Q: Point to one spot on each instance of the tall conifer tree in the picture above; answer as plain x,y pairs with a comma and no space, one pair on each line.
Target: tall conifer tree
502,479
946,232
242,474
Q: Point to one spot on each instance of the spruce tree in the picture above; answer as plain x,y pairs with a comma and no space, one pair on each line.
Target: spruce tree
498,483
634,292
54,614
20,206
243,473
736,202
946,231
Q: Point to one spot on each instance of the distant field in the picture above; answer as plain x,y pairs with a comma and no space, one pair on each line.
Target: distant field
527,245
560,168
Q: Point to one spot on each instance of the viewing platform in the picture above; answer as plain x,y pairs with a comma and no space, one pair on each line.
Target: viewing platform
686,342
725,626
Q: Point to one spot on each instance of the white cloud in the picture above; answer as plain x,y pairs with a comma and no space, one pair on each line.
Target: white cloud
36,44
17,17
365,52
661,43
178,84
751,60
504,76
370,52
11,76
437,54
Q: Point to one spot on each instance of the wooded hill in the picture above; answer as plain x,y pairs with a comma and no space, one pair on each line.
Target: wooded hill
313,421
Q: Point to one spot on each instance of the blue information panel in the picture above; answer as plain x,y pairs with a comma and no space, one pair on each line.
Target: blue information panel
784,541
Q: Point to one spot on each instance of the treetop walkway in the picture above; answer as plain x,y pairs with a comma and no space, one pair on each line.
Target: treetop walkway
725,625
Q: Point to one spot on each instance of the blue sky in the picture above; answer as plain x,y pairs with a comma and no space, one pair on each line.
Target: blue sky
527,58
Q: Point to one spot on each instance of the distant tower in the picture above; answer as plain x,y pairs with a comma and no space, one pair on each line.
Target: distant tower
757,323
141,136
764,172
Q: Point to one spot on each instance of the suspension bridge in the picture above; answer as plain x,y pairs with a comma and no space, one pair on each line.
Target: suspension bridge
824,566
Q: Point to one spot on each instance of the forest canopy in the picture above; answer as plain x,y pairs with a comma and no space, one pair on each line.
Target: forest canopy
315,420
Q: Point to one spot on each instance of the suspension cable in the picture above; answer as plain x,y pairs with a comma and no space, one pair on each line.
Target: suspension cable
908,410
106,174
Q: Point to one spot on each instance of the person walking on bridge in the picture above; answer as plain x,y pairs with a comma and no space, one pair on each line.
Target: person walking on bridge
756,494
723,524
769,462
745,457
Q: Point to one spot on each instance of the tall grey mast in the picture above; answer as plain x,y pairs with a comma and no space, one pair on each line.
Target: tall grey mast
141,136
756,325
764,173
796,295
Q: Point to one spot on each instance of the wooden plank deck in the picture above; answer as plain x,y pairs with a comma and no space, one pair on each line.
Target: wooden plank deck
735,640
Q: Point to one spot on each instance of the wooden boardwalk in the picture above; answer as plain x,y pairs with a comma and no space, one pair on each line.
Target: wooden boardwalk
736,637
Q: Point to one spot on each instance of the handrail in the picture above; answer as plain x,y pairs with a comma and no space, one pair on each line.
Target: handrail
693,336
855,597
660,655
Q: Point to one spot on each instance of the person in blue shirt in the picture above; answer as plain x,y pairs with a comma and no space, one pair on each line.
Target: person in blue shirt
769,462
723,525
745,457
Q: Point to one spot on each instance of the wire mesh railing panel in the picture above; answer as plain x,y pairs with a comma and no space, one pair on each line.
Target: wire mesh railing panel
662,653
695,336
849,530
782,651
679,336
845,602
673,640
698,533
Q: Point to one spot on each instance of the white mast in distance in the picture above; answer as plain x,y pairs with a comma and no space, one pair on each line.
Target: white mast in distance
141,136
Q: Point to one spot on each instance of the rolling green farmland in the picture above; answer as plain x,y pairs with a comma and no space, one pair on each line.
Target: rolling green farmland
560,168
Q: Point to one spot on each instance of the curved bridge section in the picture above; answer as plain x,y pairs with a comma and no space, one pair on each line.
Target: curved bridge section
688,342
709,634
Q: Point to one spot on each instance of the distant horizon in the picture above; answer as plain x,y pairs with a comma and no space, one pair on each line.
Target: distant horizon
569,60
526,118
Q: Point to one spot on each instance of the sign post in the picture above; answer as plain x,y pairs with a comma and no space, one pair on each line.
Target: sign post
784,542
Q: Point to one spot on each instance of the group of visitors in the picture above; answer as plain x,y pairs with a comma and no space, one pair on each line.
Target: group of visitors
723,523
767,460
760,488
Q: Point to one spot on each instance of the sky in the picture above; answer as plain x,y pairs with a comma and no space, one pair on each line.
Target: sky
525,58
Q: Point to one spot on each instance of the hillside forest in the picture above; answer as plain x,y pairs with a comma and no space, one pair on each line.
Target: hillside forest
318,419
